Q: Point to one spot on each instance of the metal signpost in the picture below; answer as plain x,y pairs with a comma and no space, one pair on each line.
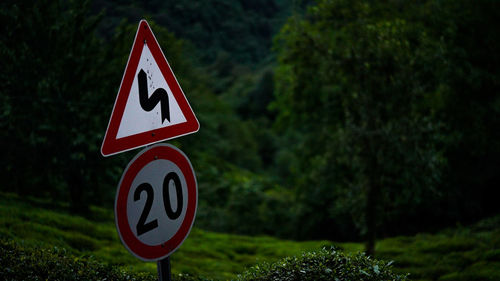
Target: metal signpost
157,196
164,273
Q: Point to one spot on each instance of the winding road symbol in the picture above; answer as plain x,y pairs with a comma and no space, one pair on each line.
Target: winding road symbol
158,96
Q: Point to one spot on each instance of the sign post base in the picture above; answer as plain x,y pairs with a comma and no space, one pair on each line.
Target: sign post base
164,273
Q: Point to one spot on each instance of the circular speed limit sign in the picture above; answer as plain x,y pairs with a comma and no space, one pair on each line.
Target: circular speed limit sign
156,202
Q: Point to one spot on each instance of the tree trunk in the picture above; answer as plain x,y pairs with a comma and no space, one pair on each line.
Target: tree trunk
372,175
371,218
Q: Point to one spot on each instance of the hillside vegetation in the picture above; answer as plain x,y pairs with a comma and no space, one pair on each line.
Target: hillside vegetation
367,116
219,256
463,253
326,120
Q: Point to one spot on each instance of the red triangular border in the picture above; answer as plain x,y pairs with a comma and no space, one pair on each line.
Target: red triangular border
111,145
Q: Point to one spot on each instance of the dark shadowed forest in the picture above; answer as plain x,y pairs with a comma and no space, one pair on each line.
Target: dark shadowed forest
319,120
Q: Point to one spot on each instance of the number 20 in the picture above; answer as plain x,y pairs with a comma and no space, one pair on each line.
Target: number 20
142,226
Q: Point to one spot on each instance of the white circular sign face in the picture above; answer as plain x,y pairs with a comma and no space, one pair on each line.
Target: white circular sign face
157,197
156,202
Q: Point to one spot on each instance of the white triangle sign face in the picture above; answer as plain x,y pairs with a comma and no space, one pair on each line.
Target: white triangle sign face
150,106
135,119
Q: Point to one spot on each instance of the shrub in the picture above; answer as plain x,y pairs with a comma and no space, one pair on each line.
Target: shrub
324,265
23,263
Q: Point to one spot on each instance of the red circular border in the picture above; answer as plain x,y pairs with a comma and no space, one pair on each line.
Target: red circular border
131,242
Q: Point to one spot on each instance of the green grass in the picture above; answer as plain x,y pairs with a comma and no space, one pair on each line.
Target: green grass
462,253
35,222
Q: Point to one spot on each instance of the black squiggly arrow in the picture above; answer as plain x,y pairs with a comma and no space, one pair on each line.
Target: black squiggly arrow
158,96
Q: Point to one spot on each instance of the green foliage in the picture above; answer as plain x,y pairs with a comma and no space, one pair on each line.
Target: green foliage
462,253
471,103
241,29
387,112
42,224
53,84
52,133
35,225
244,203
324,265
366,96
356,89
21,263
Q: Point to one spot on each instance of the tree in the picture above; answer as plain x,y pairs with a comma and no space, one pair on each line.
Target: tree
50,97
469,104
354,78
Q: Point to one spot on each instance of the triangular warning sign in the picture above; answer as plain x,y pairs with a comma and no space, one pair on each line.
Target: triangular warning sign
150,106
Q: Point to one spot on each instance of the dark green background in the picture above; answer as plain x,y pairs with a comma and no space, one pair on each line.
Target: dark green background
340,120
